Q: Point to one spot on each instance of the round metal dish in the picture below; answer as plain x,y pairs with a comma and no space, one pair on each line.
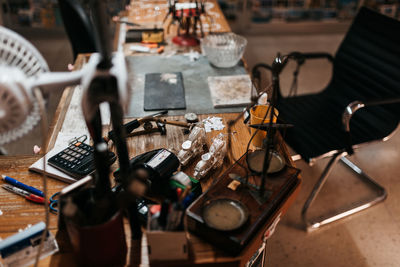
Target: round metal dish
255,162
225,214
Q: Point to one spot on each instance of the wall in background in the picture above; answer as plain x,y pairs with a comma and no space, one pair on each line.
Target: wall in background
275,11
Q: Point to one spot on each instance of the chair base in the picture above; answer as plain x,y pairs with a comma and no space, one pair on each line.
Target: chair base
362,205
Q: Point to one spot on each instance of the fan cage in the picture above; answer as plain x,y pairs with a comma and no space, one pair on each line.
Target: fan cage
16,51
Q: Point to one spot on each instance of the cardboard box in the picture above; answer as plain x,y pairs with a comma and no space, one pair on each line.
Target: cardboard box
164,245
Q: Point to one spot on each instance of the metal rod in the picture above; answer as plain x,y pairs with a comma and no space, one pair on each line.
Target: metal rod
319,184
100,18
357,207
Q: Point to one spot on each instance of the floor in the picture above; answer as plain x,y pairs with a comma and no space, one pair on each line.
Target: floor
371,238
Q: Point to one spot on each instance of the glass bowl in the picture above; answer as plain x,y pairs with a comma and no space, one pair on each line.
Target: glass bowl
223,50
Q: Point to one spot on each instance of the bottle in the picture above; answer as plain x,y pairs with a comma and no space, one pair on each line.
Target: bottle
213,159
261,100
194,145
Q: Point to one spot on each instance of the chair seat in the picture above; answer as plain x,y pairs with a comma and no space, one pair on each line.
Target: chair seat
318,128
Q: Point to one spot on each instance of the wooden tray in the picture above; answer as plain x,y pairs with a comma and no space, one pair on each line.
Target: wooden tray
278,186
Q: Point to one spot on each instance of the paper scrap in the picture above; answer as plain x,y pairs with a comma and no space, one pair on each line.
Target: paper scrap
213,124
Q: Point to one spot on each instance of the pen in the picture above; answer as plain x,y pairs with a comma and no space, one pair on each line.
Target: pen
185,193
27,195
22,186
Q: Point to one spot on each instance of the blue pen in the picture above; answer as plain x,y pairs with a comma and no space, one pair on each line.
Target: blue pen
22,186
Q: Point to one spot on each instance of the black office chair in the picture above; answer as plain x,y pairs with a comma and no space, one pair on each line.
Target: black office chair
360,104
78,26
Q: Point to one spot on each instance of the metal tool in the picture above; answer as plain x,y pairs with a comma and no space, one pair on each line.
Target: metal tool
54,202
148,129
175,123
128,23
132,125
264,127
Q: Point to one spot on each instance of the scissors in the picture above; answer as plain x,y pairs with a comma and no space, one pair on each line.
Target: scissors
54,202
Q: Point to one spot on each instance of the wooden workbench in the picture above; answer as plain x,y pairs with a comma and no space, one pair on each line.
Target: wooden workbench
18,213
150,14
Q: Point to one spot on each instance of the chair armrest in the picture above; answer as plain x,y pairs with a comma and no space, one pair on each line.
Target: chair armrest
256,73
316,55
353,107
299,57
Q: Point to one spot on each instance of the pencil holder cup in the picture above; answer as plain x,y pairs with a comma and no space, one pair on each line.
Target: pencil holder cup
99,245
257,116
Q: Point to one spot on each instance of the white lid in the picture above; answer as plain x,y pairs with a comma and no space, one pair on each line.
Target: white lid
206,156
263,99
187,145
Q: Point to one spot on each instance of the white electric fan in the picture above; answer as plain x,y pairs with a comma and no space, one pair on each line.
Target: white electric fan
18,59
22,68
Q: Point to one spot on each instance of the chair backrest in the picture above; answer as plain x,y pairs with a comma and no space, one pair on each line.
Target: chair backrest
367,63
78,26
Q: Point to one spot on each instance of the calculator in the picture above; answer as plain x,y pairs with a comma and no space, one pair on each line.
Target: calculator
77,160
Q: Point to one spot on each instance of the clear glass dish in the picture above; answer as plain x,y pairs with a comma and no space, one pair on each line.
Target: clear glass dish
223,50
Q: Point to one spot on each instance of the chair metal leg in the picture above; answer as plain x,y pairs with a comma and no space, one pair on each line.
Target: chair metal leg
326,219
